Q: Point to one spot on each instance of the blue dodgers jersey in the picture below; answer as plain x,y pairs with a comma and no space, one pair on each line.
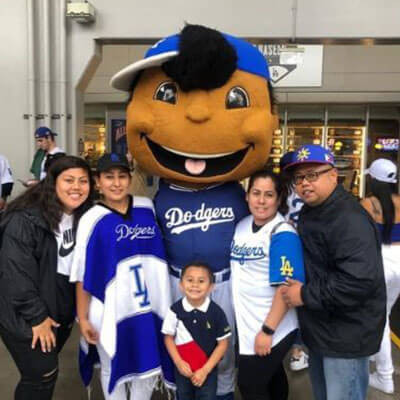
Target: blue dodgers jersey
199,224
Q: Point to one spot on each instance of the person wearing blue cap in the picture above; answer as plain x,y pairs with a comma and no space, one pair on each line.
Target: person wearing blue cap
341,307
45,140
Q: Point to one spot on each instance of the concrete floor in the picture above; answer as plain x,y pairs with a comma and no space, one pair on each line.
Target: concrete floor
70,387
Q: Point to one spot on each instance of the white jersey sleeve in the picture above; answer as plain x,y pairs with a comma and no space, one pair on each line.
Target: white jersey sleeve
5,171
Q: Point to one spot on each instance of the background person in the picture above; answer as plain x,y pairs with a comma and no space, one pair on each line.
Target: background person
45,139
383,204
298,358
122,286
6,181
196,334
341,306
36,298
264,252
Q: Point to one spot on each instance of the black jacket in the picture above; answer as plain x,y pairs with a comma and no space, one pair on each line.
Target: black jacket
28,268
344,296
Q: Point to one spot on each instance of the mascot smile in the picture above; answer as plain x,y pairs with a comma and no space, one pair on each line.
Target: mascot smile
200,116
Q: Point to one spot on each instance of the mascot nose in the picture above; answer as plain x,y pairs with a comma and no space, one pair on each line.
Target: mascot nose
198,110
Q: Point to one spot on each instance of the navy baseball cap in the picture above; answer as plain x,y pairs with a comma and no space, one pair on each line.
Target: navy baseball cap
249,59
44,131
112,160
286,159
311,154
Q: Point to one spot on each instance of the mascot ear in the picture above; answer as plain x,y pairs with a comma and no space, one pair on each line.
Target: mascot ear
205,61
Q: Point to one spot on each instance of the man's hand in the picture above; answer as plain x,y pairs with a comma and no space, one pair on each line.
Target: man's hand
292,293
262,344
199,377
45,335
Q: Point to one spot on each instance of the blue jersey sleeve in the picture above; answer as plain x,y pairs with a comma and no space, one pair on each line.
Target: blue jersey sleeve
286,258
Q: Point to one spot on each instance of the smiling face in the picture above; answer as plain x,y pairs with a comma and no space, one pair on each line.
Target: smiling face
321,182
200,136
196,285
114,184
72,188
263,200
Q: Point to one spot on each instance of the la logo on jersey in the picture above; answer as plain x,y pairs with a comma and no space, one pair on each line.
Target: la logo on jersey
180,221
286,268
244,253
125,231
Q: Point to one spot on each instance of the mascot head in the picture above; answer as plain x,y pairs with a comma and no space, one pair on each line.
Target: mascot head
200,110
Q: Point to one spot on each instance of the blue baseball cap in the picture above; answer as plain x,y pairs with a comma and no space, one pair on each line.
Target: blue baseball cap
311,154
286,159
249,59
44,131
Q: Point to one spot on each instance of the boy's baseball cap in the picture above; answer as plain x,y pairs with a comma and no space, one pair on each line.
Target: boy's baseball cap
44,131
112,160
383,170
311,154
249,59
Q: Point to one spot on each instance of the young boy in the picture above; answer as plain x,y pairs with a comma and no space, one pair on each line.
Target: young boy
196,334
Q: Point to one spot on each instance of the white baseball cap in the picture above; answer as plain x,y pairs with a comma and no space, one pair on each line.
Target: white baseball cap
383,170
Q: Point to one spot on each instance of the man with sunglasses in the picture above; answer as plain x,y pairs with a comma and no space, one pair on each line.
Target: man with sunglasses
341,307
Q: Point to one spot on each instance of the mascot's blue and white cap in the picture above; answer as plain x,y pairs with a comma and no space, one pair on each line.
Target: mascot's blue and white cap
249,59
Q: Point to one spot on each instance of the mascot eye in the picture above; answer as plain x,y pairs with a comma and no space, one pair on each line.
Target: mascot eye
237,98
166,92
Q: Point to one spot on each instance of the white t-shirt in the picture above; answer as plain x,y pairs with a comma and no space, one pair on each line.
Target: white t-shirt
5,172
53,151
65,244
251,290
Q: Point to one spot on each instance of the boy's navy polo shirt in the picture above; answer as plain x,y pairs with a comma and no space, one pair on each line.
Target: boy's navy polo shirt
196,330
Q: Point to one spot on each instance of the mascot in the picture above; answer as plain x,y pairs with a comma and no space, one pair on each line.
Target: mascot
200,116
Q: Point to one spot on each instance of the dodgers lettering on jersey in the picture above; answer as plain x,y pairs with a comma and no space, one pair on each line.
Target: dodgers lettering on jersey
243,253
199,224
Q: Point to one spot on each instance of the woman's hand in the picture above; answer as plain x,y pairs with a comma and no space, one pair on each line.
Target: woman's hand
89,333
184,369
44,333
199,377
262,344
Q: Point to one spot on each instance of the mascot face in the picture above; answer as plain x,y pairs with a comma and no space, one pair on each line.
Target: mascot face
199,136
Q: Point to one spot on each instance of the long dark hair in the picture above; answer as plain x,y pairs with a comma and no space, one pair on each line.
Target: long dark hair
44,197
383,192
279,184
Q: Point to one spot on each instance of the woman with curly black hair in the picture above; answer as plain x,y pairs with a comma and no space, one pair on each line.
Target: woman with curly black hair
37,300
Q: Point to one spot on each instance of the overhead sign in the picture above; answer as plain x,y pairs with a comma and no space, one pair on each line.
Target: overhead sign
294,66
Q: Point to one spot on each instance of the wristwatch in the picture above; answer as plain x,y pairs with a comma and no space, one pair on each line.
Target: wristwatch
267,330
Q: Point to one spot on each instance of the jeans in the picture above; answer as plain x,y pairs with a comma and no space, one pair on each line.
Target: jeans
187,391
338,378
38,370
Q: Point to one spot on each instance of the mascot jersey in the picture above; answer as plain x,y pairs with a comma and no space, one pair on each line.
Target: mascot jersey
199,224
120,260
